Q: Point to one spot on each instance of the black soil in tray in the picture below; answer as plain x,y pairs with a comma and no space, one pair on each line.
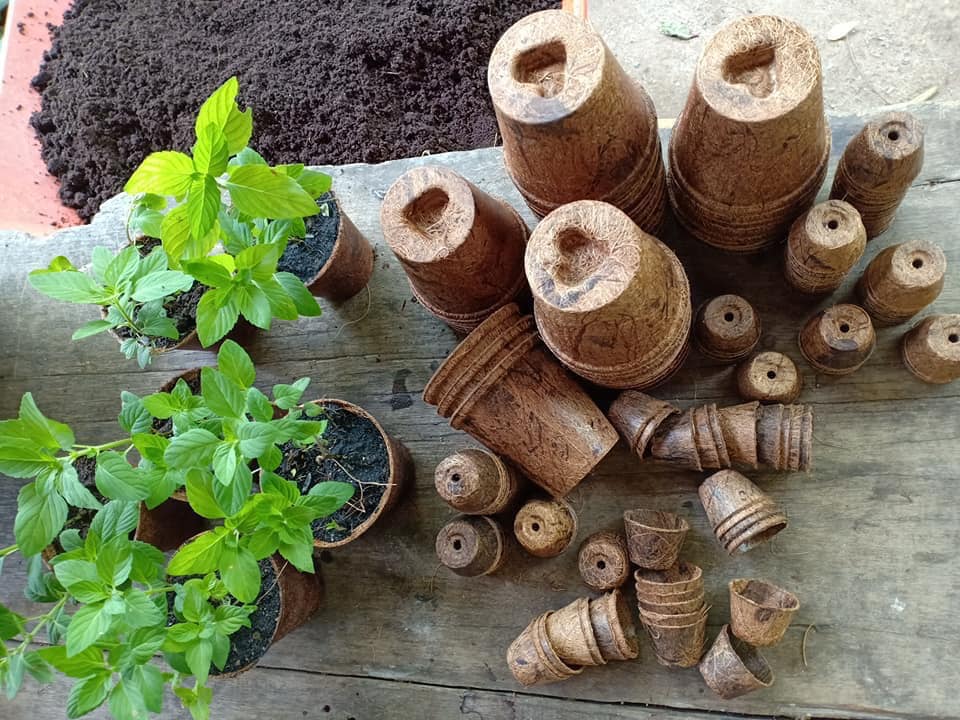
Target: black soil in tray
305,256
353,452
249,644
330,81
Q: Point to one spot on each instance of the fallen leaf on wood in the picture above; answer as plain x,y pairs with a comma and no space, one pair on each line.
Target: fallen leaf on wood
841,30
677,30
925,95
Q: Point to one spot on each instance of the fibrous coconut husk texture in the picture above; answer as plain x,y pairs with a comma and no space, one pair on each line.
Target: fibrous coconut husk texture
330,81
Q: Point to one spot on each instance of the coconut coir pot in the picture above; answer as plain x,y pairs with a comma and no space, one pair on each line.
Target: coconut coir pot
532,659
545,528
472,545
654,537
931,349
726,328
611,302
741,514
838,340
603,561
571,634
613,626
769,377
636,416
823,246
574,125
901,281
749,151
476,482
354,449
334,260
760,612
732,668
462,249
521,404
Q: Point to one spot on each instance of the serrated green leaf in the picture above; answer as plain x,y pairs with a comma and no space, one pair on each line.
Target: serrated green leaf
49,433
162,173
305,303
270,459
282,306
300,555
217,313
134,418
140,610
203,204
235,364
210,273
160,285
40,518
254,305
231,496
11,623
221,394
69,285
80,665
314,182
328,497
114,561
198,556
117,518
240,573
199,656
288,396
91,328
258,405
119,480
221,111
193,448
255,438
259,191
150,683
200,494
126,701
225,462
88,694
175,234
210,151
87,625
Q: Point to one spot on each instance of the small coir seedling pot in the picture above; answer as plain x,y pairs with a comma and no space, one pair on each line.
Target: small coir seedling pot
679,646
532,659
738,423
611,302
785,436
378,465
654,537
476,482
708,436
769,377
462,249
931,349
732,668
726,328
522,405
901,281
545,528
878,166
741,514
614,627
636,416
472,545
823,246
675,442
657,608
288,599
749,151
574,125
334,260
571,634
682,581
603,561
760,612
838,340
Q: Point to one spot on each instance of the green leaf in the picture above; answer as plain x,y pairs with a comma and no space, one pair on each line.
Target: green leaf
79,666
145,218
200,495
231,496
240,573
259,191
261,260
210,151
220,110
114,561
119,480
72,572
273,484
193,448
248,156
87,625
281,305
145,643
203,204
175,234
209,272
151,683
225,462
254,305
117,518
38,669
91,328
314,182
300,555
11,623
255,438
221,649
270,459
74,491
161,405
217,313
328,497
258,405
305,303
163,173
198,556
221,394
288,396
88,694
235,364
40,518
199,656
49,433
230,618
123,266
70,285
70,539
161,284
141,611
126,702
134,418
194,600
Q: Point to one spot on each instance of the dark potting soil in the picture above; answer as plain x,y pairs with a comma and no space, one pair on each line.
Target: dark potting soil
248,644
330,81
304,257
353,451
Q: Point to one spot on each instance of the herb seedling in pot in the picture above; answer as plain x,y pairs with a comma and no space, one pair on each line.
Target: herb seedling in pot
158,298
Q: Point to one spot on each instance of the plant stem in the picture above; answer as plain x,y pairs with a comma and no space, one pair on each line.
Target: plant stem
9,550
42,621
88,450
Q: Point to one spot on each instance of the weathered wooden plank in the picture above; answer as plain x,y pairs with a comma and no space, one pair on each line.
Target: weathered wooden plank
874,527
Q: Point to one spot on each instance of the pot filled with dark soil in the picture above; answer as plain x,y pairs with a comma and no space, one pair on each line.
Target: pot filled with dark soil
354,449
333,260
165,527
288,598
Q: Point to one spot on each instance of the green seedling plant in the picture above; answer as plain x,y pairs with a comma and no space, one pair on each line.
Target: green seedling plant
114,603
223,216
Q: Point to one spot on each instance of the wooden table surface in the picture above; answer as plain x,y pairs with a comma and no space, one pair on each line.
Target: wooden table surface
870,550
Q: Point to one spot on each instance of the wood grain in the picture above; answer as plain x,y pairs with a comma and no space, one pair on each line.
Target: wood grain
870,550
